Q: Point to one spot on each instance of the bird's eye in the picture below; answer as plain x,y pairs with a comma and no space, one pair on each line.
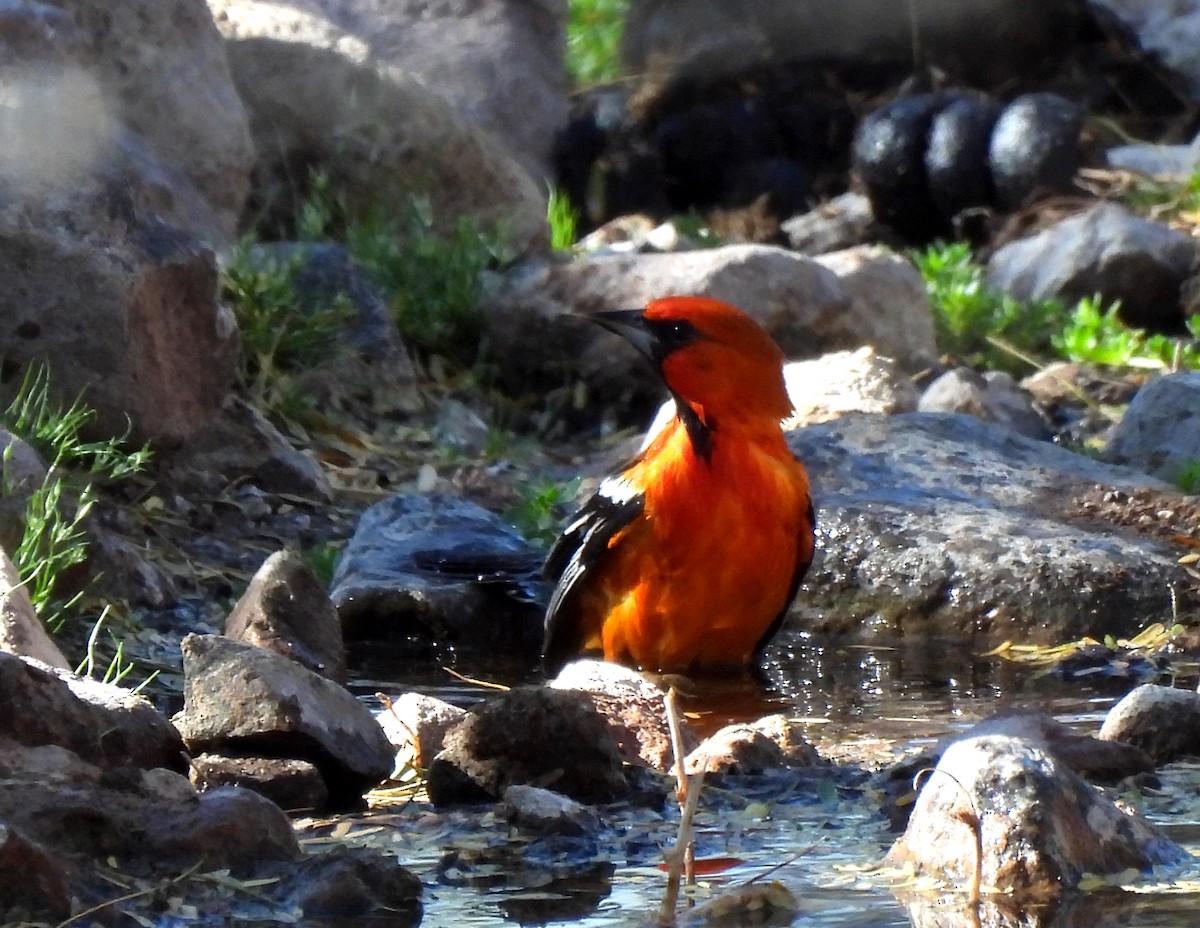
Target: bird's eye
673,334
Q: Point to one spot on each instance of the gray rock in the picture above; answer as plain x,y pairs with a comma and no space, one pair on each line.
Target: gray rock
752,747
532,736
124,305
1168,32
633,707
1039,827
293,785
321,96
285,609
1161,720
941,525
805,304
34,880
239,699
843,222
21,630
445,570
546,812
104,725
993,397
1107,251
1160,430
22,471
416,725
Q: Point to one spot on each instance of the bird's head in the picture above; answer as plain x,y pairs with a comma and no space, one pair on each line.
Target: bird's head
711,355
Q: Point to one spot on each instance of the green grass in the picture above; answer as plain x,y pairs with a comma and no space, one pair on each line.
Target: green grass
538,514
431,275
53,538
594,30
563,221
976,323
1093,335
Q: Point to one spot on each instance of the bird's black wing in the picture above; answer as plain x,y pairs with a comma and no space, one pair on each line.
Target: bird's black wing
802,565
576,551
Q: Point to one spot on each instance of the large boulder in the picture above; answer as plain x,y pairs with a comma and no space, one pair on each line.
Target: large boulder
139,92
324,97
939,525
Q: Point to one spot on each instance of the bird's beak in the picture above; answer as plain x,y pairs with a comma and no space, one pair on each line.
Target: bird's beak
631,325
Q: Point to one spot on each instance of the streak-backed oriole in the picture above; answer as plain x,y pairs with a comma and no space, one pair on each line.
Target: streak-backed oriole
687,559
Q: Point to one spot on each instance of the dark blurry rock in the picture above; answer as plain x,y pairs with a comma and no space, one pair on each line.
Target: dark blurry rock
956,155
416,725
633,707
544,811
529,735
285,609
843,222
1031,826
239,699
102,724
1160,430
1034,148
993,397
1105,251
749,748
350,882
293,785
781,184
444,570
121,570
323,274
1161,720
35,881
242,443
21,631
1166,34
934,524
889,158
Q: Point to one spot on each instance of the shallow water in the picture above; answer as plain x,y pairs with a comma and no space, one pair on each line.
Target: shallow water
825,837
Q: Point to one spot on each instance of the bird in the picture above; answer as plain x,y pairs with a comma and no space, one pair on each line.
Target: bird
687,559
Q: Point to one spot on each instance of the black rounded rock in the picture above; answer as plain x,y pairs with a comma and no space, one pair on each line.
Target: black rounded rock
889,158
784,183
956,158
1034,148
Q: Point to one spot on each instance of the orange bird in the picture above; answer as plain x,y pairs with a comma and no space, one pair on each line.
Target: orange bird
688,558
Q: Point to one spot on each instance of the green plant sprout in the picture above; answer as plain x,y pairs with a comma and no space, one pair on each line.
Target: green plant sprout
542,506
1094,335
594,29
563,220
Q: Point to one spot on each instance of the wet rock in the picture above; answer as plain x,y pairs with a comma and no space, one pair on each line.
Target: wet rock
1161,720
445,571
296,67
239,699
1095,758
842,222
150,346
756,747
35,881
241,443
1158,432
544,812
992,396
1002,808
889,157
1034,148
100,723
956,155
1107,251
1163,162
633,707
285,609
292,785
351,882
21,631
416,725
935,525
530,735
809,310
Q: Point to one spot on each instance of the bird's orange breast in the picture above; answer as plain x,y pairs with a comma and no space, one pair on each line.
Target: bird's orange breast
701,577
